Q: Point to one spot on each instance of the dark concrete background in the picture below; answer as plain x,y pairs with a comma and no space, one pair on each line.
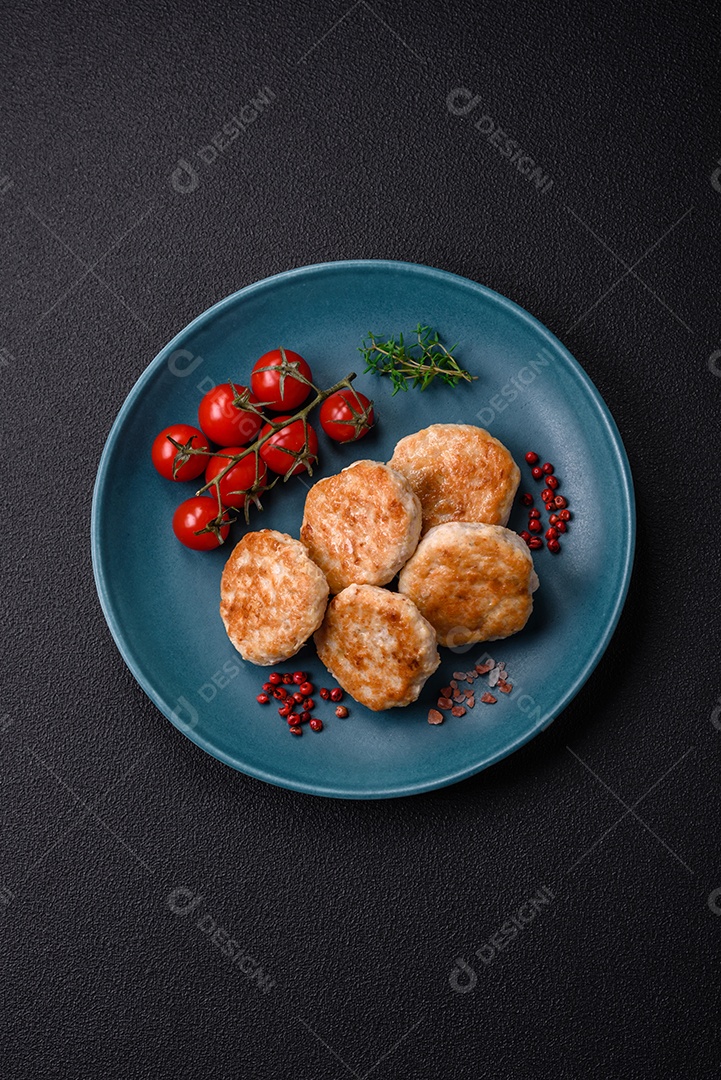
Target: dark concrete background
358,912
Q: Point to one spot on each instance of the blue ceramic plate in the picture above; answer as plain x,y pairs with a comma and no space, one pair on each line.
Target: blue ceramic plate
161,600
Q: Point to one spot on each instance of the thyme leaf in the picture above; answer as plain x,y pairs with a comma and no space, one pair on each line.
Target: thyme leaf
416,363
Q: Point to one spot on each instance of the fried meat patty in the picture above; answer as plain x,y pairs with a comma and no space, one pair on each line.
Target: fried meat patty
472,582
361,525
377,646
459,472
272,596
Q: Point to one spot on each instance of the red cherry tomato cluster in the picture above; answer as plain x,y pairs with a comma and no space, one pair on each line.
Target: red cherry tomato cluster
232,422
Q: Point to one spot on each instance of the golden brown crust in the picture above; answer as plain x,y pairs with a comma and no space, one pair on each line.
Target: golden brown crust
377,646
459,472
273,596
472,582
361,525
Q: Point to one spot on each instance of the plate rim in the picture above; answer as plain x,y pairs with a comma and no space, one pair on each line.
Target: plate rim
448,277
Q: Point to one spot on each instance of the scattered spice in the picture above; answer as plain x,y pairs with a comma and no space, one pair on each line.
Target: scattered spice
556,506
298,697
465,697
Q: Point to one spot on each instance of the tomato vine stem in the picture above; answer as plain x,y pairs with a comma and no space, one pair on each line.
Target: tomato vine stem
254,448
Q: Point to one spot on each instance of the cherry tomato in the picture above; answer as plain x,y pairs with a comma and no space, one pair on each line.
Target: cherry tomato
290,438
195,514
238,480
226,423
266,385
347,416
164,453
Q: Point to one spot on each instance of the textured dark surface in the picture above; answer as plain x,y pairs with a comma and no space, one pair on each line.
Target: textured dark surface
357,912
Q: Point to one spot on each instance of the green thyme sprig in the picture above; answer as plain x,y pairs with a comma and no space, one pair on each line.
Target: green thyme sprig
416,363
